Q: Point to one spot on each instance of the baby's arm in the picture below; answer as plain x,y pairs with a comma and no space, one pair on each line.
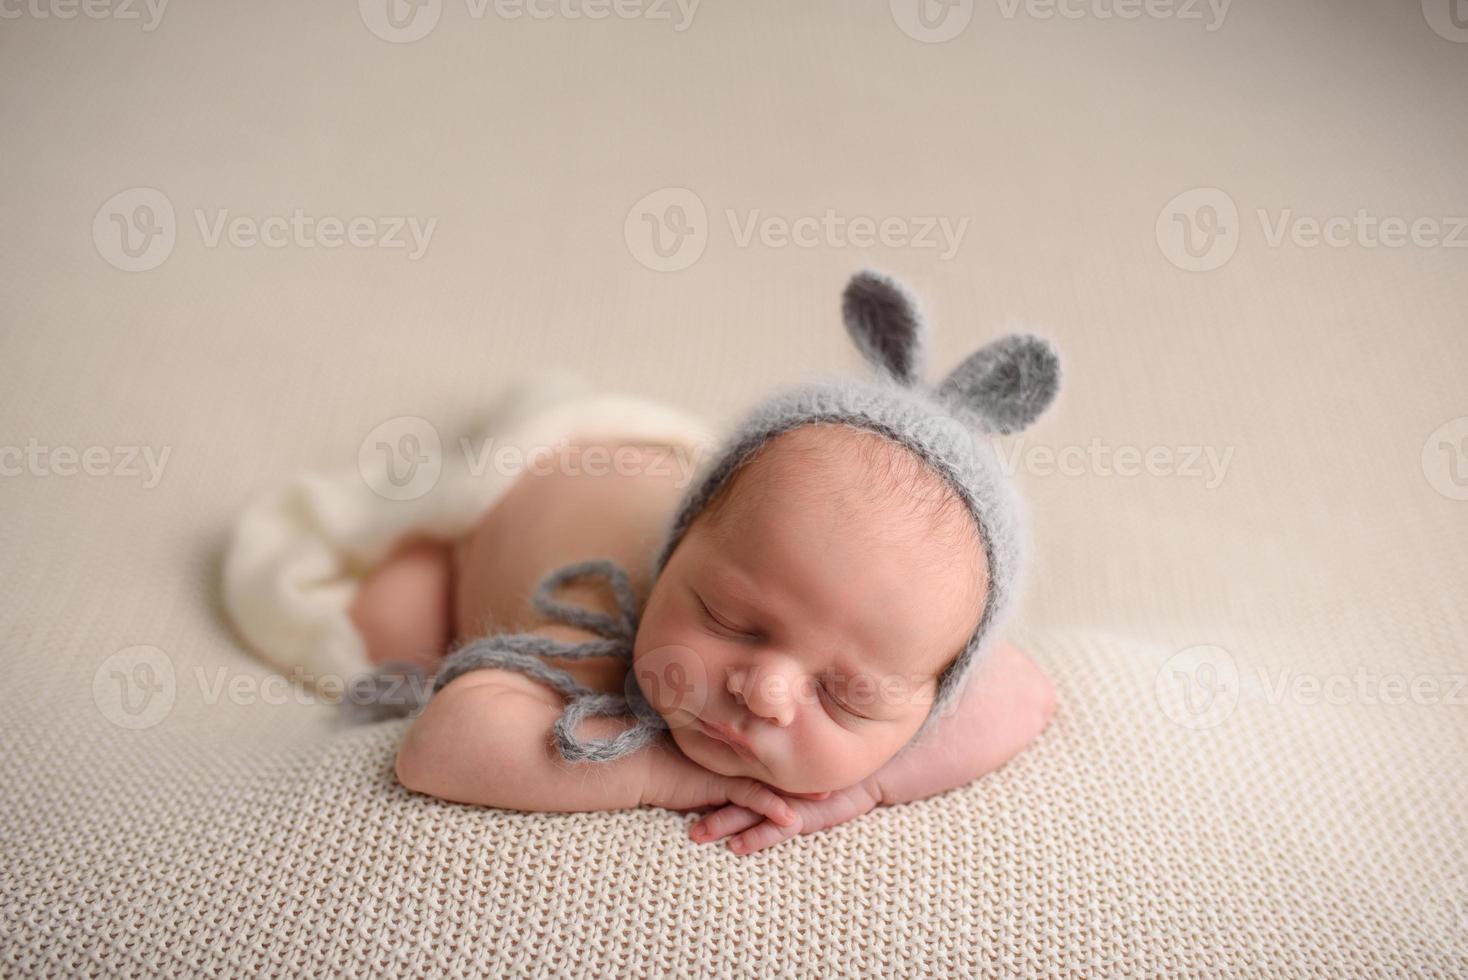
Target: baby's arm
1006,704
484,739
487,739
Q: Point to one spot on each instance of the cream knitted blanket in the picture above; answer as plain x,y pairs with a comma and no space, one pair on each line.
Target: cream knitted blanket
1291,820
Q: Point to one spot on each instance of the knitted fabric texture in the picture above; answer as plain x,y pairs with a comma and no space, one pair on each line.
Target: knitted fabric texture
1000,388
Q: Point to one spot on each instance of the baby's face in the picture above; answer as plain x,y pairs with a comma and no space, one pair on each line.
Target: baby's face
813,627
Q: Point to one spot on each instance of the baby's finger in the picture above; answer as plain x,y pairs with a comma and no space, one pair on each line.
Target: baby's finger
722,823
765,835
755,795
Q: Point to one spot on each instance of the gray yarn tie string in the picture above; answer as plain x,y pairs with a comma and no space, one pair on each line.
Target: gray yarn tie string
523,652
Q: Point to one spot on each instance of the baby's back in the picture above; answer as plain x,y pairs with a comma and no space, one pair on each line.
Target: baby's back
598,499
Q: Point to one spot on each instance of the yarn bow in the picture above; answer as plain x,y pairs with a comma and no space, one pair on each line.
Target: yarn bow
523,652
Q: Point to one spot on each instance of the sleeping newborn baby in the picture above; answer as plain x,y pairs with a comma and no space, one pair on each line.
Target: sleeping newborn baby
816,635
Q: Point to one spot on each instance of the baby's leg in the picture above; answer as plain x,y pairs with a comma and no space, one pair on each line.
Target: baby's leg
404,609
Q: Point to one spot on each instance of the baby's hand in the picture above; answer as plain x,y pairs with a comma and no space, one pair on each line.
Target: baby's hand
814,811
674,782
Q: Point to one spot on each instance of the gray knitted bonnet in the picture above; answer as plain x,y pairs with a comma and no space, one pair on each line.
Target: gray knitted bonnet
1000,388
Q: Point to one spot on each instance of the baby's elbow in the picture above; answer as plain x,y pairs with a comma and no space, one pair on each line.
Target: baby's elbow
413,765
467,731
424,758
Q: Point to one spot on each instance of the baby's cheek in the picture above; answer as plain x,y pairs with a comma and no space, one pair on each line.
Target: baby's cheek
673,674
832,762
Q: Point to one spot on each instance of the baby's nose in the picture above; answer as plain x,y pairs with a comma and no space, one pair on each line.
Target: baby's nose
761,696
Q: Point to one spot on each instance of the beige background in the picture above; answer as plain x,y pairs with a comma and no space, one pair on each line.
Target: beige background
236,837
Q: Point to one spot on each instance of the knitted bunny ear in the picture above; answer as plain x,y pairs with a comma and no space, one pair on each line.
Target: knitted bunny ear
1009,382
886,325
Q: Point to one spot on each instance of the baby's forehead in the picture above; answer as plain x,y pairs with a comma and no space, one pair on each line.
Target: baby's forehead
857,480
822,462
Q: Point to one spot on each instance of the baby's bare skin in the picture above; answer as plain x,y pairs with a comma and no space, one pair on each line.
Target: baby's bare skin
432,594
550,519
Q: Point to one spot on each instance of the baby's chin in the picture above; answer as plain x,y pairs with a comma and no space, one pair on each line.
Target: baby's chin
711,754
716,756
708,753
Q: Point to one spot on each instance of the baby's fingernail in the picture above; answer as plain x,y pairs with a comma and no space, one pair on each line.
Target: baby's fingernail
698,830
736,846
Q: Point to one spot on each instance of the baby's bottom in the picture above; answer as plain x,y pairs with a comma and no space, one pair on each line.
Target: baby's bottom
428,594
